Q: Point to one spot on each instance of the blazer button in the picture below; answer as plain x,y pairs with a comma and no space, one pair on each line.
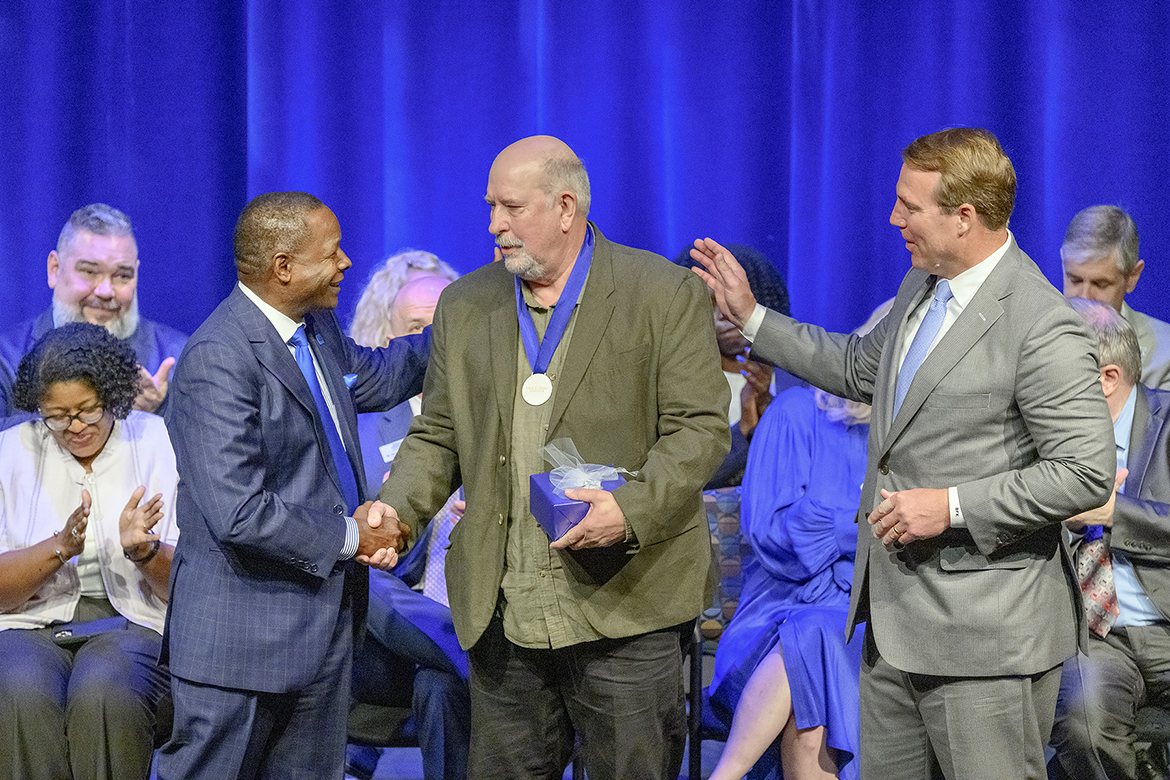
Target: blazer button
338,509
313,568
500,518
883,468
503,460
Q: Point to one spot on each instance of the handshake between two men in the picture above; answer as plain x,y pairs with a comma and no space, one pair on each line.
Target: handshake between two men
381,535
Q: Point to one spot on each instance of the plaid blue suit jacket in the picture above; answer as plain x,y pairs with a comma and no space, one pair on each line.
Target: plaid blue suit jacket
256,586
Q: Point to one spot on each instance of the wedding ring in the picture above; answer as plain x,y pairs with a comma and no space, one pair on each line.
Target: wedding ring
76,535
897,531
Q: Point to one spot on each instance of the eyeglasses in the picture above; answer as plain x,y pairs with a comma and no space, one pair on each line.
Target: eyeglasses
59,422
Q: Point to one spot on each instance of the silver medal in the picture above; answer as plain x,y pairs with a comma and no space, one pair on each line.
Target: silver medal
537,389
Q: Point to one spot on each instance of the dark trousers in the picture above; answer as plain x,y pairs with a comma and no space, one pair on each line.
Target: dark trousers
80,713
1099,698
253,735
622,698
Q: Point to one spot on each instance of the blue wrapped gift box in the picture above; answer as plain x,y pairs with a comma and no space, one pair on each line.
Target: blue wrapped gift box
556,513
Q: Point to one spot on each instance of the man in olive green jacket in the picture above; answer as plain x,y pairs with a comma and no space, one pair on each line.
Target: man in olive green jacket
580,636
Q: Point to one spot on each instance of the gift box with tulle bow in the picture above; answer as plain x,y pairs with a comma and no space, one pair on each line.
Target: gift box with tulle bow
547,501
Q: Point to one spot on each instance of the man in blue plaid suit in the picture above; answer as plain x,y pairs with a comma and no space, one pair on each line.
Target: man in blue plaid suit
265,595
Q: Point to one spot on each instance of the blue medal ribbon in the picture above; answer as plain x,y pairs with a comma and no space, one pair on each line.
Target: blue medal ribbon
540,351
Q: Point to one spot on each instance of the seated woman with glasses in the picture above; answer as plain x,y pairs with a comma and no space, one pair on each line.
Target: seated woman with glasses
87,534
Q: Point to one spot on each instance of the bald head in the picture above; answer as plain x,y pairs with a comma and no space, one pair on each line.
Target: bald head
555,165
413,307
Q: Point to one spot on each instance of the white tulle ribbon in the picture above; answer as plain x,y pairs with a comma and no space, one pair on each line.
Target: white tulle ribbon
571,473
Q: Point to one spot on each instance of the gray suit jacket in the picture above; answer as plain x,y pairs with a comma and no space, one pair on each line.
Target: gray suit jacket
640,388
1141,516
1008,408
1154,338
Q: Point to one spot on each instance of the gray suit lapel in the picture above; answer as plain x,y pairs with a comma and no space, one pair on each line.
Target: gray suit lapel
1149,417
883,406
977,318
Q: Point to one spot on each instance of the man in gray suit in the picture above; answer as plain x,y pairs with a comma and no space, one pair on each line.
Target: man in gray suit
1100,260
1125,582
989,428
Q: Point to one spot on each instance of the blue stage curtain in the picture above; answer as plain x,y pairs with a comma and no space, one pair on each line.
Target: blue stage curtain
773,123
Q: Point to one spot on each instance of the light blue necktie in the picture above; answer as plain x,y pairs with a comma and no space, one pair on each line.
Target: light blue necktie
920,346
340,460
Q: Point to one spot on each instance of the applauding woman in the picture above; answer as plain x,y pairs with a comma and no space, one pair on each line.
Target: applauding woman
87,534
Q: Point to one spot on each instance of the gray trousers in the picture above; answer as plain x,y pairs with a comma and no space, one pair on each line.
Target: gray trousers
975,728
1099,698
81,713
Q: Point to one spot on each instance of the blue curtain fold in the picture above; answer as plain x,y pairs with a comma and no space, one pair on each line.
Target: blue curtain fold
777,124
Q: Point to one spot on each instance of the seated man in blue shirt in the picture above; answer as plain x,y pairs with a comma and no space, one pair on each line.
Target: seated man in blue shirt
1121,552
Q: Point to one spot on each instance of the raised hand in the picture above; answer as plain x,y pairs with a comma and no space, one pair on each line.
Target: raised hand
726,278
137,521
71,539
152,389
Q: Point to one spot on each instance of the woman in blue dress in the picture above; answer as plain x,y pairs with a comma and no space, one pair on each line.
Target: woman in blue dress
783,666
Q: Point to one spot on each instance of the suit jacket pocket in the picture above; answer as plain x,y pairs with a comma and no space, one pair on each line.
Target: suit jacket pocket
959,400
970,559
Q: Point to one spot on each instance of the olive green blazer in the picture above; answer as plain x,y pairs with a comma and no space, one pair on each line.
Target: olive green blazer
641,388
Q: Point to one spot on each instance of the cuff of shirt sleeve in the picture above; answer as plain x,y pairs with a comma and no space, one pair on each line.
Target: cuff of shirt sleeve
956,511
631,537
351,540
752,326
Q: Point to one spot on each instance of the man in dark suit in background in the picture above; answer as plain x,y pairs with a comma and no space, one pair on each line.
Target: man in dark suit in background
580,637
265,594
1122,551
93,273
988,430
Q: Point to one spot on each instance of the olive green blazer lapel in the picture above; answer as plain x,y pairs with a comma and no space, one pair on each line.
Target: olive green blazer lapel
593,315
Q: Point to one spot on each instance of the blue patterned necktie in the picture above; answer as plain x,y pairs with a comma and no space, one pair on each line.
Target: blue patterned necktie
340,460
920,346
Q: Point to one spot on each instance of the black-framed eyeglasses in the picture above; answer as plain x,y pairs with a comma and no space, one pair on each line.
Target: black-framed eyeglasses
59,422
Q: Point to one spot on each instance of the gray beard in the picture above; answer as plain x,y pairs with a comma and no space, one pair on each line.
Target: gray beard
524,265
123,327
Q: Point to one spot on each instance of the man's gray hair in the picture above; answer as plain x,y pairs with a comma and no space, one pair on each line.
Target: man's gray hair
1117,343
1098,231
270,223
96,218
567,173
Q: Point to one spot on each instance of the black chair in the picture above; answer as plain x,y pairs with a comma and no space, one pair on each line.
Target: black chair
1153,726
702,724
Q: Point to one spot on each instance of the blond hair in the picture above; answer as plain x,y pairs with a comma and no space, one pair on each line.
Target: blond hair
371,316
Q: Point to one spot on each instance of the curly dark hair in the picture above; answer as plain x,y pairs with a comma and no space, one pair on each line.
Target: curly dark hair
764,280
79,352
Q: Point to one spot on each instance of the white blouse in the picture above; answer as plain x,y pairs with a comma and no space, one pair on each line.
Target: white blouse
40,486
